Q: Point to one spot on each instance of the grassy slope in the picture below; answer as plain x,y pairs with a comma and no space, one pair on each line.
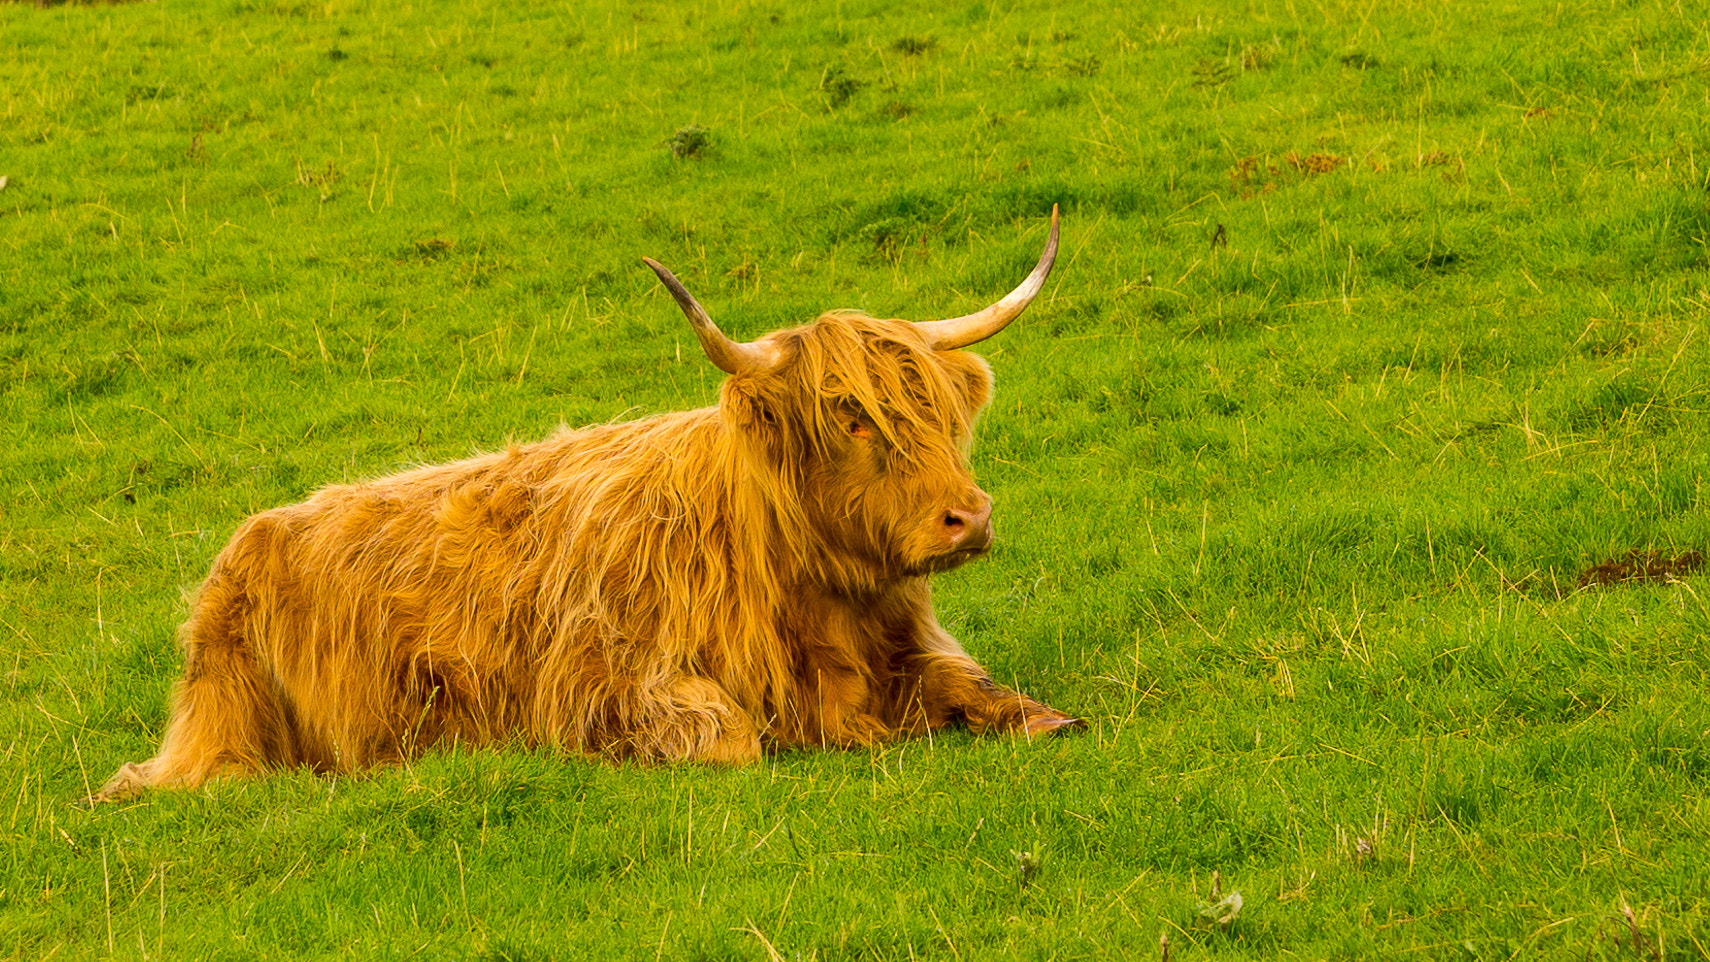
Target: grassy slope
1295,469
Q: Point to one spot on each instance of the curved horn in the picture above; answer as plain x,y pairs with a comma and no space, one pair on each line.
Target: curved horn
732,357
962,331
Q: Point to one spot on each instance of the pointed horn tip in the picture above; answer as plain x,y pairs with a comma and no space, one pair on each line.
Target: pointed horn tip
731,357
1048,257
691,308
672,284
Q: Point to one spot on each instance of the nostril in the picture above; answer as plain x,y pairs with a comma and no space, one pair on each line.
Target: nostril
954,521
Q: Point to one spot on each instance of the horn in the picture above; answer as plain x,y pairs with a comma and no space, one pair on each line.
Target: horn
962,331
732,357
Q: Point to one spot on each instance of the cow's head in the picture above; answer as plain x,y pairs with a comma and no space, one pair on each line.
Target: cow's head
861,428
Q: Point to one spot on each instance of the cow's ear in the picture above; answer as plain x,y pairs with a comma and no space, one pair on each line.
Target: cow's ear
747,408
973,376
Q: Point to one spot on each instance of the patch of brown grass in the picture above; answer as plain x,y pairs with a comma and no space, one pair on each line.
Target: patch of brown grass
1638,565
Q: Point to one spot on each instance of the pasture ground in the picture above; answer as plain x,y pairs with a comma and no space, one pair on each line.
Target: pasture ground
1376,326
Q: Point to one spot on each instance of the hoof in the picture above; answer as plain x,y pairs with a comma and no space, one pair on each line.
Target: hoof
128,782
1053,725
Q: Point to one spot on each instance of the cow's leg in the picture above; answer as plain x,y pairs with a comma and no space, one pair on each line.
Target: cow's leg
940,689
696,720
934,683
836,707
925,680
227,715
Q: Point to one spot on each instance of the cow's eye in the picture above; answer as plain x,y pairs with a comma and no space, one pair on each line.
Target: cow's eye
858,428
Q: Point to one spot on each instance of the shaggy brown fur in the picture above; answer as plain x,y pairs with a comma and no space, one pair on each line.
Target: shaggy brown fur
696,585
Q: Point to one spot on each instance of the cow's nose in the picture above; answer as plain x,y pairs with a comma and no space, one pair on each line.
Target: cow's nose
969,528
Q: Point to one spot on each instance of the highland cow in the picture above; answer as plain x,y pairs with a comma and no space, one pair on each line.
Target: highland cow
699,586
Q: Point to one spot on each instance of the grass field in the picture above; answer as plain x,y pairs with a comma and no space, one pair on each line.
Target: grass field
1376,326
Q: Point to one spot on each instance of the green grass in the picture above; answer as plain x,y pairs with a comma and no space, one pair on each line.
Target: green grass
1375,325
